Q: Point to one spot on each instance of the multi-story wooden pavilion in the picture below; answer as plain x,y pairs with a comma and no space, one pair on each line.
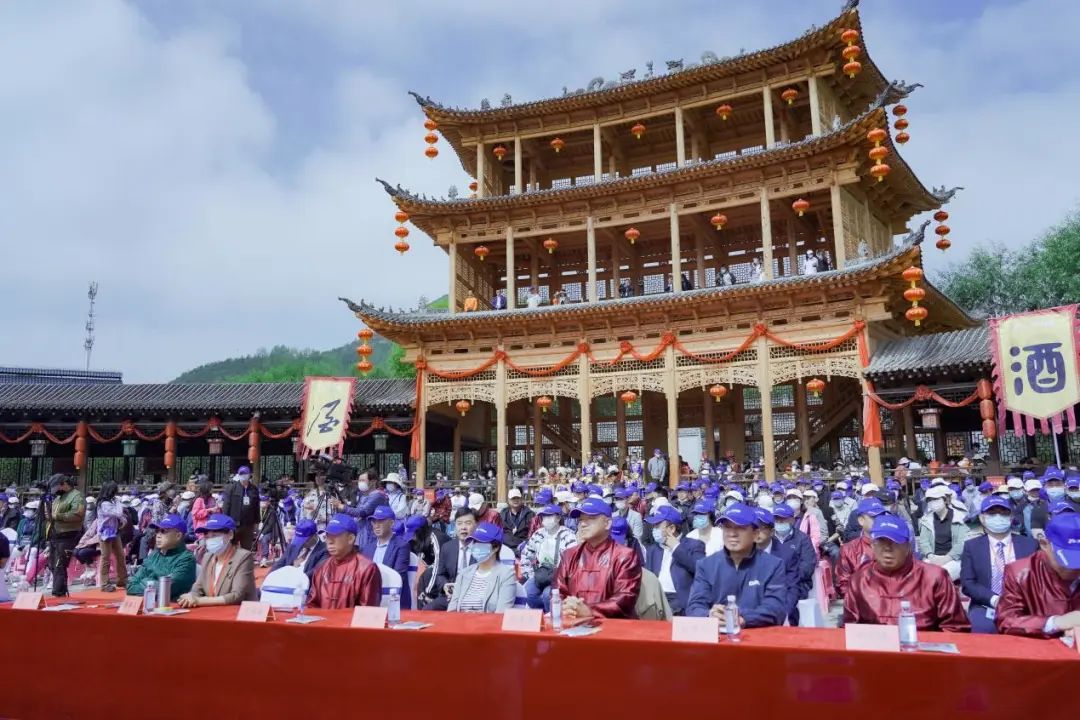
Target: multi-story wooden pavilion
717,233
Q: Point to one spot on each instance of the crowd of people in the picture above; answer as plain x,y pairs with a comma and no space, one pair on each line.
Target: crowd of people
965,555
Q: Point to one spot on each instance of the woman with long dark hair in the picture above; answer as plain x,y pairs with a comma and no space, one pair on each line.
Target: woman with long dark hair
110,514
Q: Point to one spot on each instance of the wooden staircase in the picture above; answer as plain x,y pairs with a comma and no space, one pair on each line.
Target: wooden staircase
824,420
569,445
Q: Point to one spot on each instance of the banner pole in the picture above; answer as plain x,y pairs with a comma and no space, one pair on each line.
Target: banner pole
1057,452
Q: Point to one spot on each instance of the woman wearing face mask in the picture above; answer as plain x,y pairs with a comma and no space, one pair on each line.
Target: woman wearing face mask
487,586
702,518
203,506
807,523
633,517
228,571
542,554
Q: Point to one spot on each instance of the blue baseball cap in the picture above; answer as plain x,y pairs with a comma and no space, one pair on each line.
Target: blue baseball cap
543,497
578,487
995,501
591,506
764,517
986,487
712,492
217,523
1073,483
398,528
622,493
551,510
682,487
619,530
244,470
304,529
1029,475
382,512
890,527
739,514
662,513
342,523
783,510
1053,472
487,533
706,506
869,506
172,521
836,495
651,488
1063,533
1061,506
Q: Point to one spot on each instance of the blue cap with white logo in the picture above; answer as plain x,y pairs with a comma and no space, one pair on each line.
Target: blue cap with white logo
591,506
172,521
487,533
662,513
382,512
1061,506
551,510
739,514
218,523
764,517
869,506
890,527
304,529
1063,532
341,524
995,501
783,510
704,506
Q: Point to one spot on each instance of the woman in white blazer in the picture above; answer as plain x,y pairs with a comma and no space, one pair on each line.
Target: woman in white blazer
485,585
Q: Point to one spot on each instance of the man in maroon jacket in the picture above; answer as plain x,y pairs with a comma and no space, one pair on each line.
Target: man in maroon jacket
347,578
597,577
1042,592
877,588
856,553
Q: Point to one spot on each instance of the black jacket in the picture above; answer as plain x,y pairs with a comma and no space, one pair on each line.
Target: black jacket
516,527
232,504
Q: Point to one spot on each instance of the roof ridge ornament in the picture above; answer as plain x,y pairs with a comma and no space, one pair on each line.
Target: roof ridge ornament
942,195
915,237
849,6
894,92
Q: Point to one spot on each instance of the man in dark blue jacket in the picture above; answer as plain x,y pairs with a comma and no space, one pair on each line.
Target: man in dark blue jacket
672,557
766,542
983,561
306,550
796,541
388,549
754,578
363,505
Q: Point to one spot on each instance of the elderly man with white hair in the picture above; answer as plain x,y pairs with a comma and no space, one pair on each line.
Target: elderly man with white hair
942,531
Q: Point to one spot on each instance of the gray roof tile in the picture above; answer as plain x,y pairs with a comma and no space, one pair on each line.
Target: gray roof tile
928,354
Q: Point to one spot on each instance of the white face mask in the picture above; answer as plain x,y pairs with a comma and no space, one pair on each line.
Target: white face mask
620,504
362,485
794,504
936,505
765,501
550,523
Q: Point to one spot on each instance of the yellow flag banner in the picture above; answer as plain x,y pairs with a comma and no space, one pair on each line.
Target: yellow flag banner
1037,368
327,404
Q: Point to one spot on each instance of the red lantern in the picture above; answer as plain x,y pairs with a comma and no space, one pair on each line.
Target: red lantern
80,444
638,130
800,206
941,216
401,246
878,153
912,275
943,244
629,397
632,234
473,186
364,366
430,124
901,124
723,111
431,138
986,409
463,406
170,460
432,152
481,252
80,460
718,392
544,402
550,244
899,110
558,144
849,36
499,152
880,170
366,334
914,294
401,216
719,220
902,137
876,136
364,350
851,52
916,314
789,96
989,430
852,68
815,387
942,230
401,231
984,389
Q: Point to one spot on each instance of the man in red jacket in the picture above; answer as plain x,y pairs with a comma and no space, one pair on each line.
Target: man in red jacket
347,578
856,553
1042,592
876,589
597,577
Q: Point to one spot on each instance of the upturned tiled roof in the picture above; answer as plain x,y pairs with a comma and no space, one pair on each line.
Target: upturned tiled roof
914,357
204,398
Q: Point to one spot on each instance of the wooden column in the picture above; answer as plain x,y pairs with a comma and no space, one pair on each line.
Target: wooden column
456,448
420,476
911,449
590,240
815,107
585,402
598,164
519,176
792,248
695,147
534,264
620,422
532,176
765,387
736,437
538,438
710,425
839,245
676,250
452,305
635,268
615,269
766,234
671,394
481,166
501,467
680,138
511,280
699,249
802,421
770,125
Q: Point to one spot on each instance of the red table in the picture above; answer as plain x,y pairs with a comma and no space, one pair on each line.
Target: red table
206,664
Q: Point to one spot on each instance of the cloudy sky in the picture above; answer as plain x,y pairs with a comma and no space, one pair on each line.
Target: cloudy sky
211,163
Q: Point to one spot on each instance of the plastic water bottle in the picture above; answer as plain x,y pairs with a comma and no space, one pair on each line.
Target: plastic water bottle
731,620
299,600
393,613
556,610
149,595
909,635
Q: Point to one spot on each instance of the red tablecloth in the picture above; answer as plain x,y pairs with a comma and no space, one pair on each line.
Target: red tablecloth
464,666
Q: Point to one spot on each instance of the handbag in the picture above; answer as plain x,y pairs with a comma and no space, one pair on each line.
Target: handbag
543,575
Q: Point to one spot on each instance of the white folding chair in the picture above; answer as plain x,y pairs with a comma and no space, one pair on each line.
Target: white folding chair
391,578
414,566
506,556
278,587
520,598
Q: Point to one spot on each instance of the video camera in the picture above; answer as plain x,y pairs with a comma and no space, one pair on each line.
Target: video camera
338,474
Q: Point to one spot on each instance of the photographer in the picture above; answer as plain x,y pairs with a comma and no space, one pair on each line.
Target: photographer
317,505
68,511
361,506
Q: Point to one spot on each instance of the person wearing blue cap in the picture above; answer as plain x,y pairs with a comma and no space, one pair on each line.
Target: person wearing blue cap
1072,489
766,542
347,578
756,579
487,586
306,551
797,542
672,557
1053,488
702,517
542,555
385,548
633,518
857,552
983,562
877,588
240,501
1042,592
169,557
228,571
597,577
